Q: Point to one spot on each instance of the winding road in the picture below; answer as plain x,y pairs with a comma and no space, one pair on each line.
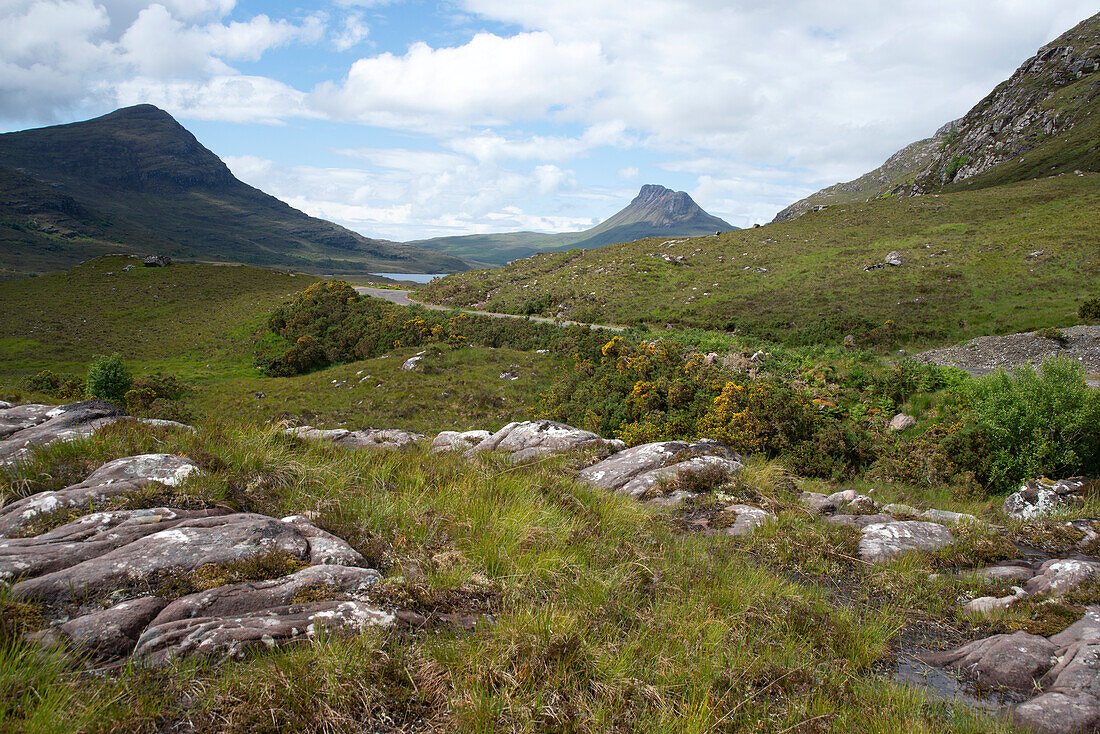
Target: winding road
401,298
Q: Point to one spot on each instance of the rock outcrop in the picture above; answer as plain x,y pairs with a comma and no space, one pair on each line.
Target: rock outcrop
1039,497
27,426
388,439
1065,667
644,471
93,571
535,439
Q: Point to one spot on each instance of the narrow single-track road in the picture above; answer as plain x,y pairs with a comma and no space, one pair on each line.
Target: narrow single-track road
401,298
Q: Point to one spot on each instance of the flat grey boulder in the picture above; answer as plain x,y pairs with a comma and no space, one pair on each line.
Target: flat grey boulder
369,438
231,637
389,439
114,479
621,468
87,537
749,518
882,541
902,422
1016,661
1039,497
234,600
182,548
457,440
534,439
17,417
647,486
63,422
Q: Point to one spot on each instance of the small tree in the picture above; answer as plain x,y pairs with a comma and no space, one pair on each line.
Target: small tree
108,378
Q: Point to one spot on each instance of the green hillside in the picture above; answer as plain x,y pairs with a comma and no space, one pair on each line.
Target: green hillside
968,270
654,212
135,180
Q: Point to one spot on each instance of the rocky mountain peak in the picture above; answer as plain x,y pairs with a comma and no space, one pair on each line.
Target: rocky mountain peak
662,206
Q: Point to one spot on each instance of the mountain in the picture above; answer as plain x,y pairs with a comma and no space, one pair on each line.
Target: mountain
135,179
1042,121
654,212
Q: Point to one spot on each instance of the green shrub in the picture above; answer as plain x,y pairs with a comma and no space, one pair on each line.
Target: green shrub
108,378
1090,309
58,386
159,396
1055,335
1036,423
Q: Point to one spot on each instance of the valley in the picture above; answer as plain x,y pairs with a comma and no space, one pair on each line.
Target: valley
835,473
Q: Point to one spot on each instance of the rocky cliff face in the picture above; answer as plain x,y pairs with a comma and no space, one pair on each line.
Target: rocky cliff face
898,170
1041,121
1024,111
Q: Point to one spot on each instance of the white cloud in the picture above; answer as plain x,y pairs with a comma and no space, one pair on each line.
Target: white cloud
232,97
353,32
629,173
61,56
414,194
486,81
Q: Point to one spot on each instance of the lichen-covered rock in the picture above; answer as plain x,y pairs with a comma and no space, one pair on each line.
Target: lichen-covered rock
986,605
749,518
231,637
883,541
621,468
457,440
87,537
324,547
113,632
902,422
858,521
389,439
1059,713
643,485
534,439
1006,572
946,516
184,547
1039,497
1059,576
234,600
16,418
114,479
62,422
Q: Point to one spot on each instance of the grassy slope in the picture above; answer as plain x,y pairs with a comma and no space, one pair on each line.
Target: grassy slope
201,322
180,319
967,271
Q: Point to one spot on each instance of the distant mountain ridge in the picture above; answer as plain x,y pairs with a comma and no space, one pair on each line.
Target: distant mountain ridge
1042,121
655,212
136,179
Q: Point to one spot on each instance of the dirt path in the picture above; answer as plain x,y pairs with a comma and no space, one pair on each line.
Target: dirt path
401,298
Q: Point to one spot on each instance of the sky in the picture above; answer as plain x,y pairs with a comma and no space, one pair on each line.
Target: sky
407,119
